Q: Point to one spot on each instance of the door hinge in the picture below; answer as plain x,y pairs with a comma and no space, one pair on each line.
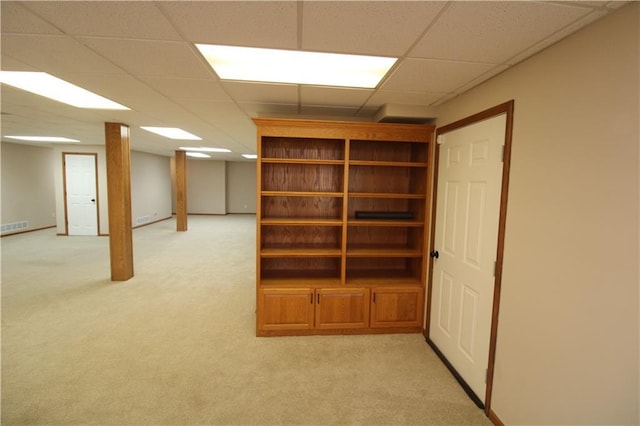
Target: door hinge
440,139
486,376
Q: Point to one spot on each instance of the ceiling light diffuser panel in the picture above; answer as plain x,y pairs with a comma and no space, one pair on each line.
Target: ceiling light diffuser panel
172,133
51,87
49,139
197,155
296,67
203,149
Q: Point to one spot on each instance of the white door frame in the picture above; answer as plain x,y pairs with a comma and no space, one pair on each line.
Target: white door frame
64,188
505,108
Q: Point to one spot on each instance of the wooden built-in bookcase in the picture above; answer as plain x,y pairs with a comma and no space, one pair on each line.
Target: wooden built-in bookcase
342,222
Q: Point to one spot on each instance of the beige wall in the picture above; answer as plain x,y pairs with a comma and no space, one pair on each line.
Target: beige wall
150,188
241,187
568,336
27,187
206,187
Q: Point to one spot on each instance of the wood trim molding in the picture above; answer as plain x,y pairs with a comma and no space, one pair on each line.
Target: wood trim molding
152,222
29,230
494,418
456,375
508,109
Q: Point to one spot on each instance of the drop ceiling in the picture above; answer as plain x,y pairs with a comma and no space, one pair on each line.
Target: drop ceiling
143,55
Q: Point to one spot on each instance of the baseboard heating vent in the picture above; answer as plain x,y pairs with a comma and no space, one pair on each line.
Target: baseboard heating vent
8,228
142,219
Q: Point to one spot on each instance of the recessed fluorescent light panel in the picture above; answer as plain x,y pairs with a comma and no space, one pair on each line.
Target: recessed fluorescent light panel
197,155
298,67
250,156
54,139
172,133
203,149
46,85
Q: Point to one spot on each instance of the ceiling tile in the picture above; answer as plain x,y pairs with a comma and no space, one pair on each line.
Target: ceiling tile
493,32
55,54
17,19
152,58
424,75
328,112
124,89
376,28
11,64
269,109
262,92
557,36
184,88
333,96
122,19
382,97
255,23
225,116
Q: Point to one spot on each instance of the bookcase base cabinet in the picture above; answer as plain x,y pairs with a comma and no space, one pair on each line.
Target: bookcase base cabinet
308,311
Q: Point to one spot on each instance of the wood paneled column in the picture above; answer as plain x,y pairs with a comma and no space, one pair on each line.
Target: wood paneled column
119,195
181,190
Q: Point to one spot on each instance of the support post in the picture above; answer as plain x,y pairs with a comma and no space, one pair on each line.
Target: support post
119,196
181,190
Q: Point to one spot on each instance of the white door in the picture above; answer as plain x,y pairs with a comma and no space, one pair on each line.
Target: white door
466,237
81,194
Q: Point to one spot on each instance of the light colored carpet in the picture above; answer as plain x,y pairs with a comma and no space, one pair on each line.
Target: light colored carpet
176,344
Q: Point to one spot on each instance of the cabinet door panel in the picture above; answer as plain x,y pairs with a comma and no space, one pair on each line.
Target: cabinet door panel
286,309
396,307
342,308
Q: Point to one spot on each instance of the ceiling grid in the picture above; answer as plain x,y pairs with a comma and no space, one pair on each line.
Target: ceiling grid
143,55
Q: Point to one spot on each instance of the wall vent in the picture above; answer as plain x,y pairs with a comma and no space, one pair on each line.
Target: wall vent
142,219
9,228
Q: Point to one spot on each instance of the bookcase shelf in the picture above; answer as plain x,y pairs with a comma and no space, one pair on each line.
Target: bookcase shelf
341,226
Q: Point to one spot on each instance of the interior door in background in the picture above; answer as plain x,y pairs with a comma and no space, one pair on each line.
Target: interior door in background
81,194
469,184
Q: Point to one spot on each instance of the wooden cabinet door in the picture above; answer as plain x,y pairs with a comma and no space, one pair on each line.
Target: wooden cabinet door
396,307
342,308
285,309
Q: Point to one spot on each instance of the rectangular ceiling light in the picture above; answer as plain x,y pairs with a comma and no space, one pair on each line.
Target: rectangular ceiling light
46,85
203,149
54,139
250,156
297,67
197,155
172,133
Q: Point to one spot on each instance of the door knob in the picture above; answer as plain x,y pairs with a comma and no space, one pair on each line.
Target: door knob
93,200
434,254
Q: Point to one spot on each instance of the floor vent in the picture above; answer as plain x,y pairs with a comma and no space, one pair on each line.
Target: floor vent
142,219
14,227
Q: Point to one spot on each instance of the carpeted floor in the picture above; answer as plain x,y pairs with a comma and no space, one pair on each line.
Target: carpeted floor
176,344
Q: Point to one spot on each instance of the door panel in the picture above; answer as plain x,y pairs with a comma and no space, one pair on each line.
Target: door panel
466,236
81,194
